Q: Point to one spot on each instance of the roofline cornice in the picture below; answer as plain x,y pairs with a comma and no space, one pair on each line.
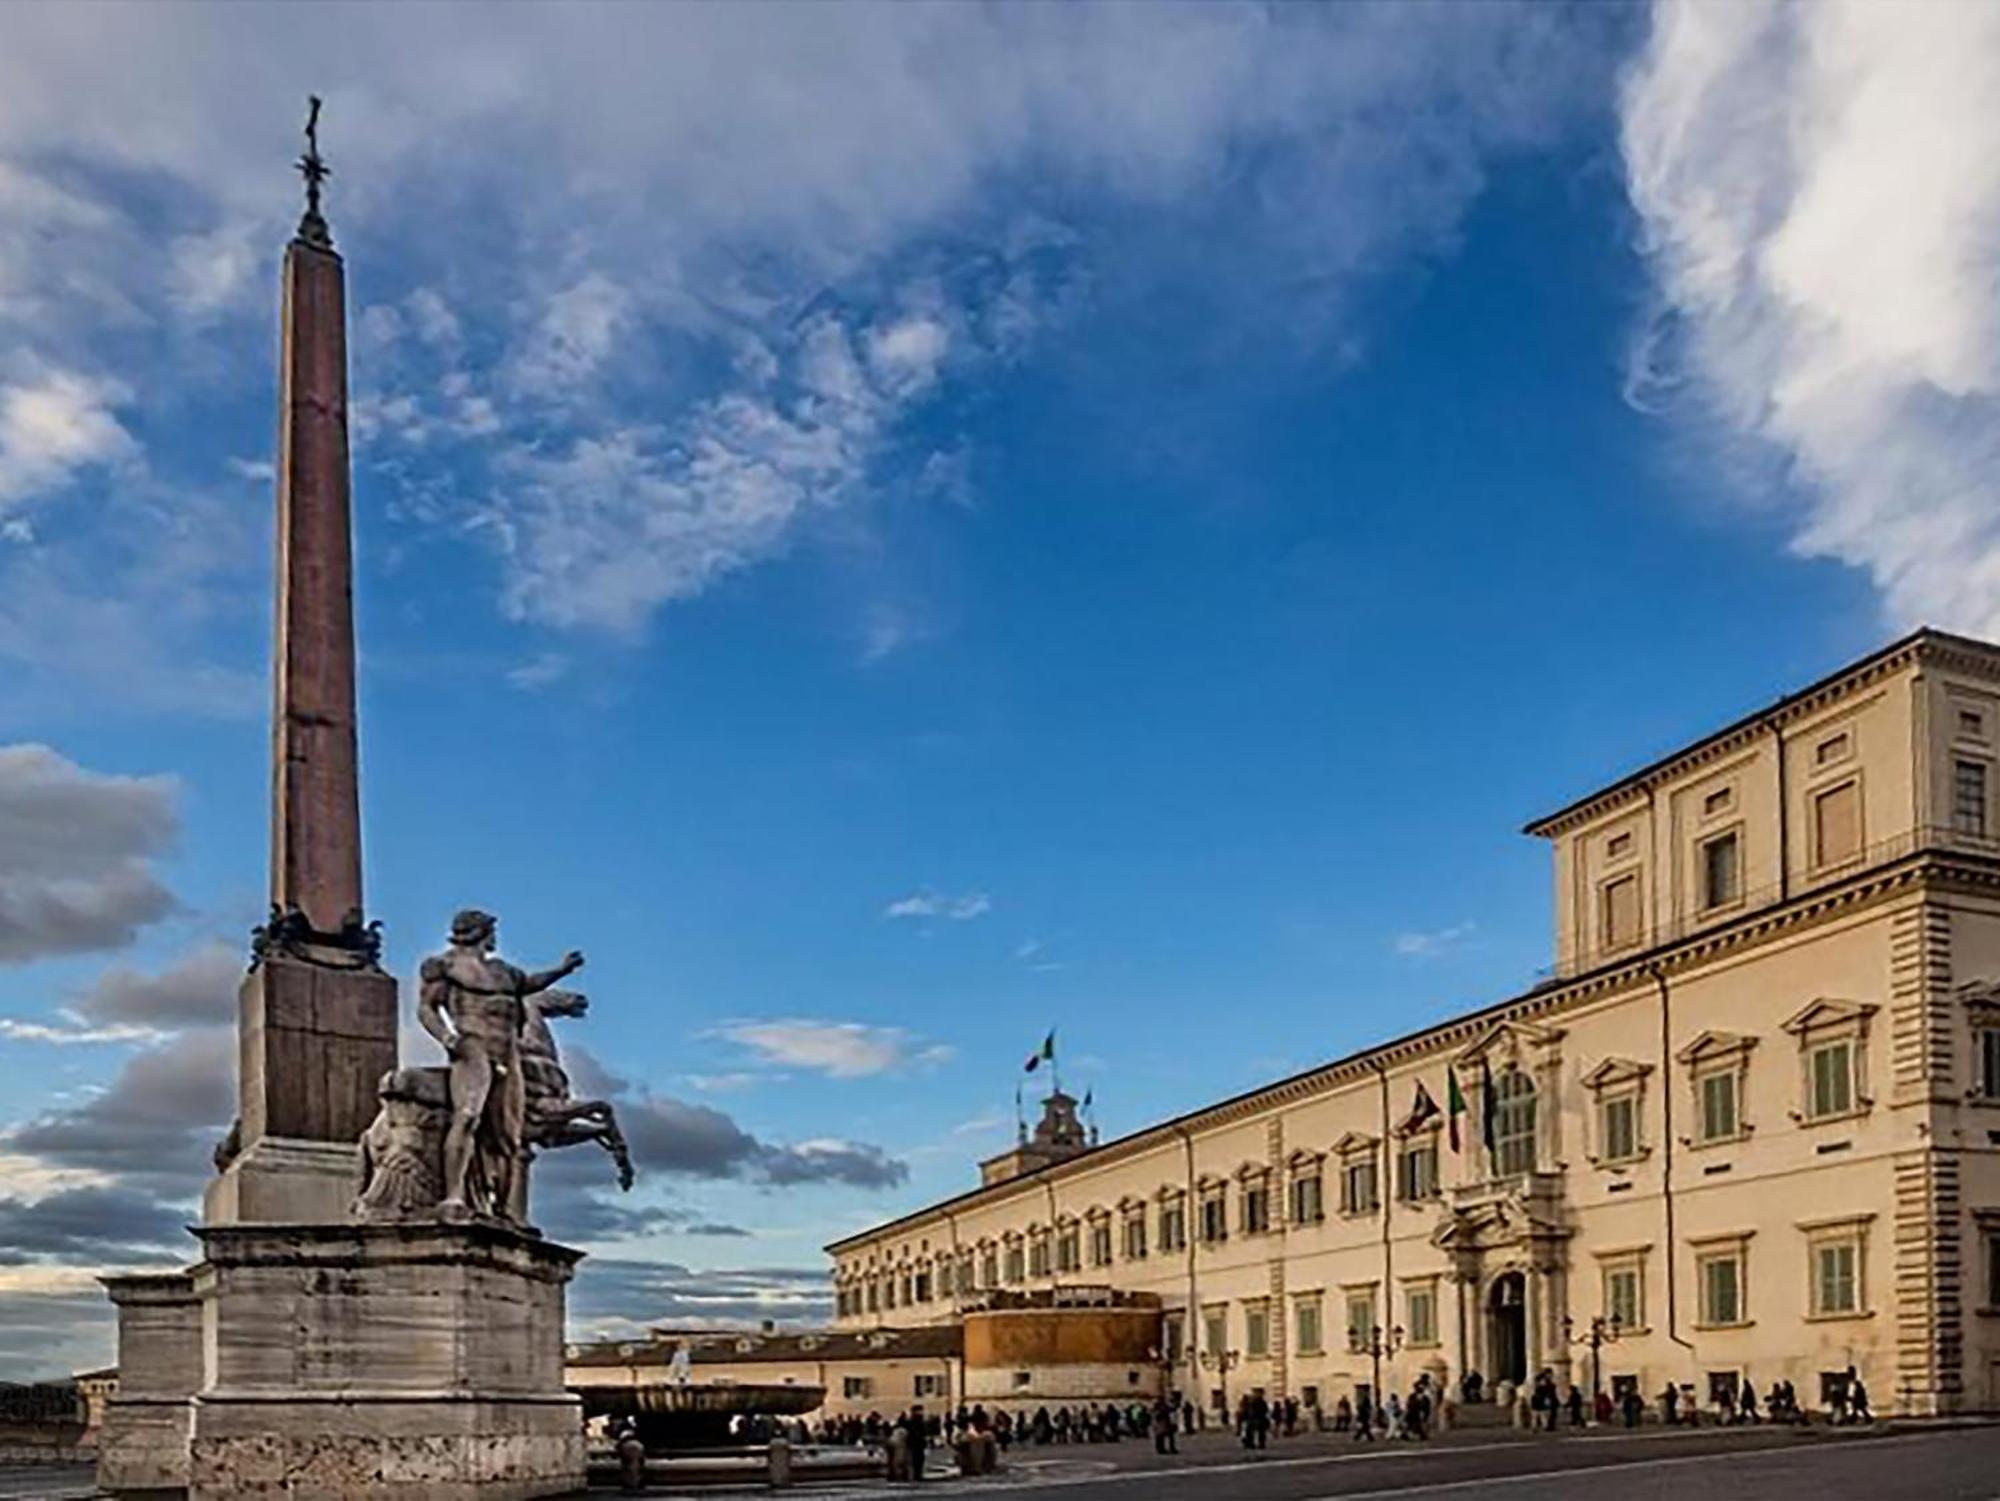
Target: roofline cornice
1945,870
1926,645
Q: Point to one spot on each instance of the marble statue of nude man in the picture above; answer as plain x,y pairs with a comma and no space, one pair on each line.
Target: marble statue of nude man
473,1003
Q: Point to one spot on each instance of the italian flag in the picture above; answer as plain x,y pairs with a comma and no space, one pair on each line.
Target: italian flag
1454,1105
1047,1053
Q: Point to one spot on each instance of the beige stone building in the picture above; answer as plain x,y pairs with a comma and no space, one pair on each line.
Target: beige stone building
1751,1123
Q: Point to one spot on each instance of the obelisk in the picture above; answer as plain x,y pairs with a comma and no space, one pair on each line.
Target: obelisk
317,1016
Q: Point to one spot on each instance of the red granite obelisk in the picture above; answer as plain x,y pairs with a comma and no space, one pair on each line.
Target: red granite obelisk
317,1019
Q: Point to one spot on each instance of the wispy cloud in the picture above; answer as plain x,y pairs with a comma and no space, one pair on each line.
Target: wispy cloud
931,904
1421,944
840,1050
1820,191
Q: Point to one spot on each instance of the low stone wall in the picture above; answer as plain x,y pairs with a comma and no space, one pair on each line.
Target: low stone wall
1066,1355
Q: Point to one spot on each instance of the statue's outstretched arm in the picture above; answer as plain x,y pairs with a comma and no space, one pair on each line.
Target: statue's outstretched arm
536,981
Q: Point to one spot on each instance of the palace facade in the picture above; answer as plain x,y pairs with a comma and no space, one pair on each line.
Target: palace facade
1751,1124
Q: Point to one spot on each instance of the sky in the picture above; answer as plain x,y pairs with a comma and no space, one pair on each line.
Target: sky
898,528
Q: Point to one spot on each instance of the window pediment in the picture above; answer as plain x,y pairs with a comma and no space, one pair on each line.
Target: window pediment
1209,1183
1131,1204
1979,994
1303,1161
1713,1046
1096,1213
1829,1015
1508,1042
1173,1193
1253,1172
1616,1071
1356,1144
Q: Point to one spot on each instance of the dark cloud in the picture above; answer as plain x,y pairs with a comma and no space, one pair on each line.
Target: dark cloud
196,990
699,1141
717,1230
611,1297
154,1126
115,1223
75,853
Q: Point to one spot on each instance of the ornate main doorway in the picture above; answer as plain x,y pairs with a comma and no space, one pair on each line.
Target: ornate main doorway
1507,1327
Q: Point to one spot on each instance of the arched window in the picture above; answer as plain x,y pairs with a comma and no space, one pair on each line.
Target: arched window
1513,1124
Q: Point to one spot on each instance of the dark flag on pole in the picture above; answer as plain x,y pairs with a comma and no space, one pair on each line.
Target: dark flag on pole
1455,1104
1423,1108
1046,1053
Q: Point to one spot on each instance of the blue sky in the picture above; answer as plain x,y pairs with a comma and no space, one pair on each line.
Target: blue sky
895,529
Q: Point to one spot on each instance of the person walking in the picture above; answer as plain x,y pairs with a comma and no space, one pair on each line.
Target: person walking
1343,1415
1575,1405
1165,1428
1364,1417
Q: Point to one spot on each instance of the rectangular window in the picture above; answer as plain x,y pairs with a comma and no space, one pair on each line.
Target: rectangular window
1175,1347
1256,1330
1971,724
1619,1127
1721,870
1067,1259
1014,1272
1358,1191
1989,1062
1992,1248
1719,1120
1420,1315
874,1298
1135,1237
1417,1172
1830,1079
1308,1200
1617,846
855,1388
1215,1330
923,1287
1360,1320
1173,1227
1038,1257
923,1386
1623,1298
1831,749
1717,802
1836,1274
1307,1311
1837,823
1621,912
1256,1209
989,1269
1214,1219
1968,798
1100,1243
1722,1287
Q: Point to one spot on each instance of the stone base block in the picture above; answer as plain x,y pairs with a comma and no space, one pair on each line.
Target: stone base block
377,1447
280,1180
350,1362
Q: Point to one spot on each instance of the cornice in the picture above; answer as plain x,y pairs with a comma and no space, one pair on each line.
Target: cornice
1925,647
1923,870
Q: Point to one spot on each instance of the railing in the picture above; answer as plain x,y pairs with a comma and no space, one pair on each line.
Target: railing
1755,901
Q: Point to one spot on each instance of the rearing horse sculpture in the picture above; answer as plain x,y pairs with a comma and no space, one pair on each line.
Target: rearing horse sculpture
556,1118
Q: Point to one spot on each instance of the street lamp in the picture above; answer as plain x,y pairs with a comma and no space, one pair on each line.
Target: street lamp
1375,1349
1221,1362
1602,1332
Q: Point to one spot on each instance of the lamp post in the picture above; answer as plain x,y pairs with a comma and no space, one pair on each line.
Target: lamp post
1373,1346
1221,1362
1602,1332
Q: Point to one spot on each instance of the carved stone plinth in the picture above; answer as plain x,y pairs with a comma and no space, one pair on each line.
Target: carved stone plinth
143,1447
313,1044
383,1363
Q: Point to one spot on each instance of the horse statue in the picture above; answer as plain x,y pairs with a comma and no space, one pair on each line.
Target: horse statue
555,1117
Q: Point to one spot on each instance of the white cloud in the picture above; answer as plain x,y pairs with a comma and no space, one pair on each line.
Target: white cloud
55,424
1429,944
720,266
930,904
1820,186
539,671
841,1050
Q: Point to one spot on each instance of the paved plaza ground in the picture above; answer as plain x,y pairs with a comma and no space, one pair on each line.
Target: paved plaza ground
1917,1464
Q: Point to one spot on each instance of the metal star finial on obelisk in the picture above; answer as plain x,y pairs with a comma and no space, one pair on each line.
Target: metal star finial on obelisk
313,168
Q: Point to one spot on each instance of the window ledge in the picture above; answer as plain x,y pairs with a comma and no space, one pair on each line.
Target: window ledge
1699,1144
1858,1316
1725,1328
1630,1160
1834,1118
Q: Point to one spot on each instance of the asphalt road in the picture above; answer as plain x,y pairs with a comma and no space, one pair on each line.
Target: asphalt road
1959,1465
